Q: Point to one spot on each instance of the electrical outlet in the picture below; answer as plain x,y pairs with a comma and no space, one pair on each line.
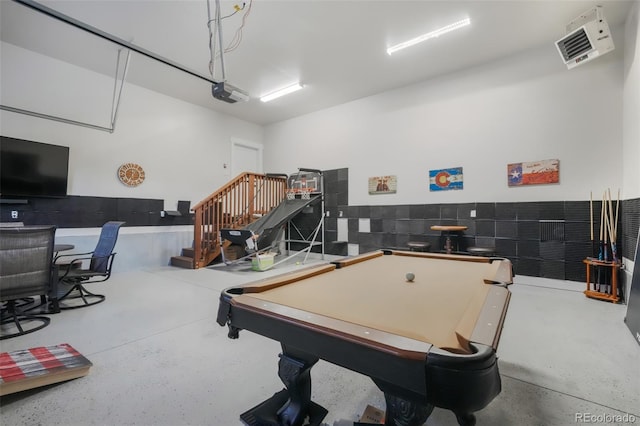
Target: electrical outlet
473,213
14,214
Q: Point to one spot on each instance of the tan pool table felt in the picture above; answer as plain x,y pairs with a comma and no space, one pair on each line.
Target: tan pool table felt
441,306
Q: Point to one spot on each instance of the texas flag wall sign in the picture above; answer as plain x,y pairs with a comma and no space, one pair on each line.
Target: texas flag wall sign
533,173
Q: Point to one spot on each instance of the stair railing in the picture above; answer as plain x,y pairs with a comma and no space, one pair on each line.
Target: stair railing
235,205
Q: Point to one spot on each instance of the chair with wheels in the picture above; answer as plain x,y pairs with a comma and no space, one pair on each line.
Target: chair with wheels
77,270
26,270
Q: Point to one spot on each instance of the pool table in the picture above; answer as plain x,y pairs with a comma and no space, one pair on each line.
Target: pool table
427,342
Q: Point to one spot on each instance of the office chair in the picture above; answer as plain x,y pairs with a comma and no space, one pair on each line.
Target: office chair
26,270
76,270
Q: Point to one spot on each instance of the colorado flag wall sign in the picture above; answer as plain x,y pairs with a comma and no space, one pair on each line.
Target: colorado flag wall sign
445,179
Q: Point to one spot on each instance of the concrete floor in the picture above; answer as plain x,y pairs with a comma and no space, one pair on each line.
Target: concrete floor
159,358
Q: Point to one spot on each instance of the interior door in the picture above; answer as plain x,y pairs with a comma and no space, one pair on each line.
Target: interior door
245,157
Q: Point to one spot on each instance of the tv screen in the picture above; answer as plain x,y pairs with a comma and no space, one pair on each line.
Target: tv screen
32,168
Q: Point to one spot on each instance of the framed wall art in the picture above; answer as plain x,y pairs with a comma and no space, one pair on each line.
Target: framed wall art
446,179
533,173
383,185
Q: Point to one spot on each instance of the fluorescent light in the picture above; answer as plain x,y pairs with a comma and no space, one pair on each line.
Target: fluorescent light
427,36
284,91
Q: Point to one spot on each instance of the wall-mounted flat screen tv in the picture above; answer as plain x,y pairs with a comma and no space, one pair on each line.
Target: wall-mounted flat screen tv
32,169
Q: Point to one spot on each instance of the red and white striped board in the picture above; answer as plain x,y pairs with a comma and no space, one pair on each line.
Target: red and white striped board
31,368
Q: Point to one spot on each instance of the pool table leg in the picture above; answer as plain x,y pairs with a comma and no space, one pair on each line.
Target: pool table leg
466,419
291,406
402,412
295,373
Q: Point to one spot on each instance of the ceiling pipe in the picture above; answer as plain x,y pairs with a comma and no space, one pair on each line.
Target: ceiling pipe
106,36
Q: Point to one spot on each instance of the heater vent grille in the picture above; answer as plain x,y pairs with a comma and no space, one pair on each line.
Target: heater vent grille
552,230
575,45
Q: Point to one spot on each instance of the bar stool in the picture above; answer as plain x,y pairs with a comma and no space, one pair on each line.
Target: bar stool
418,246
449,231
481,251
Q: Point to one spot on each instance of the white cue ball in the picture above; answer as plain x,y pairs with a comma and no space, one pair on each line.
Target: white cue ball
410,276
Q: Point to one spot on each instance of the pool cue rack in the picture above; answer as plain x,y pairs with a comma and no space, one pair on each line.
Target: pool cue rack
605,277
606,260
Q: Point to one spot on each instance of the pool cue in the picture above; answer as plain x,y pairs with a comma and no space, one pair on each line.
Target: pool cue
599,278
612,224
605,251
615,223
612,233
615,238
606,244
617,209
600,245
593,248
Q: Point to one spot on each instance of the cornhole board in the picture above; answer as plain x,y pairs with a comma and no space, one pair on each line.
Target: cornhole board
31,368
371,415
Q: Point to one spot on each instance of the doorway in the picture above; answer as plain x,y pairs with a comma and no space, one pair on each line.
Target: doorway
245,157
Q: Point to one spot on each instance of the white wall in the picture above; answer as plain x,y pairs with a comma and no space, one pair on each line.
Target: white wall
631,102
138,247
523,108
182,147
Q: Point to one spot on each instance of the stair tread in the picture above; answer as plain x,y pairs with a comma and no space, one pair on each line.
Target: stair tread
182,261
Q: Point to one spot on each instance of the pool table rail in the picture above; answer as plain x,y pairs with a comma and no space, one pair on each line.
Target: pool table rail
393,344
269,283
488,327
501,271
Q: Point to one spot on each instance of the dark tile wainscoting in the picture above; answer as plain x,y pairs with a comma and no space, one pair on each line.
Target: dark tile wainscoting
88,212
543,239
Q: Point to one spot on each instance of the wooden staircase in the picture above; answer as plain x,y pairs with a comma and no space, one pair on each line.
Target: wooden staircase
235,205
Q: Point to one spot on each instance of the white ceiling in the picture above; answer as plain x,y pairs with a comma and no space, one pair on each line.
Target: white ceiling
337,49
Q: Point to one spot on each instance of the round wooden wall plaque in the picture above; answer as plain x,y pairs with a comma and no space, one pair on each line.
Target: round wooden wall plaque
131,174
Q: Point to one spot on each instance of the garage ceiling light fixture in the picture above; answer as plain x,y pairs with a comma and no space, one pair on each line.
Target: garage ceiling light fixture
284,91
430,35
